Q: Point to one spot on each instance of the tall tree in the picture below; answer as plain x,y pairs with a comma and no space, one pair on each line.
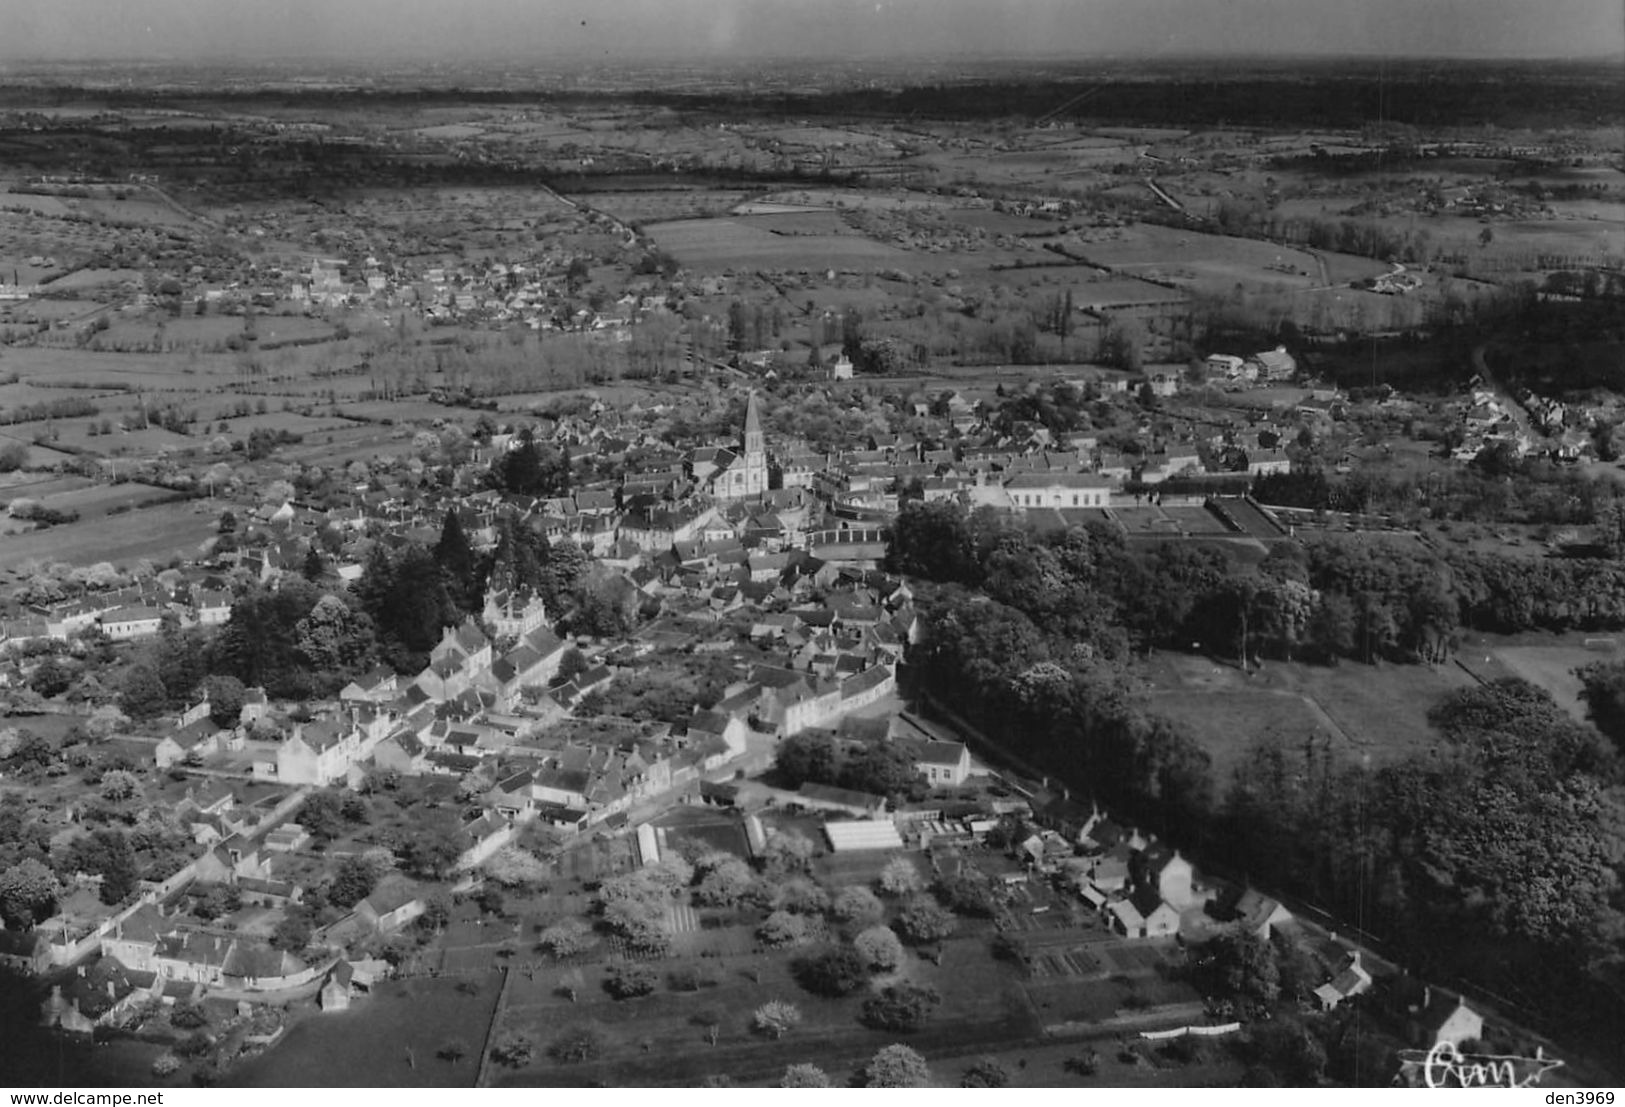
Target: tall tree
455,556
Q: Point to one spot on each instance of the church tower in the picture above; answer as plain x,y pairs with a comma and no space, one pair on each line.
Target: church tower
755,456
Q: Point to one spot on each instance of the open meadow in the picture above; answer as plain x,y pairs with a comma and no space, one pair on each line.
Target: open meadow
388,1039
157,533
1352,710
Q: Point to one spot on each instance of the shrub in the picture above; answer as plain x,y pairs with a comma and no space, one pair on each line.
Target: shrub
188,1016
194,1045
630,981
804,1076
986,1073
167,1065
901,1007
900,878
838,971
568,938
514,1050
576,1046
776,1018
781,929
895,1066
1083,1064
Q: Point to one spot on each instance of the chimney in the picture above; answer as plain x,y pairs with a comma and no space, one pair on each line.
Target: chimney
1427,996
111,994
81,972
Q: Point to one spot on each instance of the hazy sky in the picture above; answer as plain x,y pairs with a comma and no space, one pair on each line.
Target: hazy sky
51,29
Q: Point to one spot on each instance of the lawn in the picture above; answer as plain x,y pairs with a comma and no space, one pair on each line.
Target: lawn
387,1039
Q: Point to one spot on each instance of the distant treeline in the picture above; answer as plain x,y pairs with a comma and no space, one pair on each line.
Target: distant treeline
1324,94
68,408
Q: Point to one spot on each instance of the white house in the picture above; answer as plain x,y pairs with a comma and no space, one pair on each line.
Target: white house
1038,490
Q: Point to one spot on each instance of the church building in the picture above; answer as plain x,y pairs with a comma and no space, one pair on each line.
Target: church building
742,476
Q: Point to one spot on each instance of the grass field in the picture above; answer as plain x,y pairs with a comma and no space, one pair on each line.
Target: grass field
153,532
1552,668
1213,263
718,244
1356,710
388,1039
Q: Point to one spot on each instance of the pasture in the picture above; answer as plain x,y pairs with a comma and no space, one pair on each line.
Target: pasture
158,533
1206,262
723,244
387,1039
1353,710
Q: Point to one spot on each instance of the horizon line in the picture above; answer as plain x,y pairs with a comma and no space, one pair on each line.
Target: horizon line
701,58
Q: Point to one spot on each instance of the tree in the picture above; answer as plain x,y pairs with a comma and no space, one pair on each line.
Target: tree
807,757
776,1018
453,1050
935,540
900,878
433,850
900,1007
513,867
801,895
804,1076
292,934
568,937
896,1066
1243,966
575,1046
969,893
724,879
925,920
835,972
221,899
857,904
50,678
141,693
513,1049
884,769
630,981
985,1073
879,948
788,851
781,929
352,882
119,785
455,556
225,695
322,816
28,893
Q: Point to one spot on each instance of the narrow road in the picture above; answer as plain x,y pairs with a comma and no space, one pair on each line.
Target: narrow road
1514,409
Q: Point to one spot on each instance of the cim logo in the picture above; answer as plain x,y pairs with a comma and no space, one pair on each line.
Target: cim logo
1445,1066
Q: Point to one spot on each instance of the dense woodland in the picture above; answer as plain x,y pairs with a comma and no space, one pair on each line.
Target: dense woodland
1492,855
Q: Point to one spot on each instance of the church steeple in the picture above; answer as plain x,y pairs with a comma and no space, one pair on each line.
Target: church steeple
753,428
